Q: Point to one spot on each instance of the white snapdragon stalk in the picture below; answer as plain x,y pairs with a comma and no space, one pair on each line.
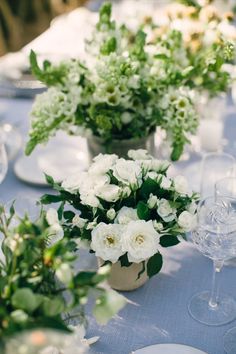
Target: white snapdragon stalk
181,185
166,212
140,240
125,215
187,221
107,241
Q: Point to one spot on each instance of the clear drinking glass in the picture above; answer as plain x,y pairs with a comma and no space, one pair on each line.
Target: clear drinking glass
214,167
215,237
3,160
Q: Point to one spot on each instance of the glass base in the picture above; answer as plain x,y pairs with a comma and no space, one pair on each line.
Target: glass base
230,341
223,313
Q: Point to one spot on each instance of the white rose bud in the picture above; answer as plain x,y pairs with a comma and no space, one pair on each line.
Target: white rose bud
79,222
158,226
152,201
165,183
111,214
187,221
166,212
64,273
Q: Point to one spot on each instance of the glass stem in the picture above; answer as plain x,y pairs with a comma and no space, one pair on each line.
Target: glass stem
217,266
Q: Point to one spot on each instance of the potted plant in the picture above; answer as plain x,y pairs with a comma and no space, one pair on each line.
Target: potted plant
124,90
125,211
40,288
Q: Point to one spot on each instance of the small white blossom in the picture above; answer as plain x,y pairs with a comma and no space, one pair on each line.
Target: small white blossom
102,163
79,222
125,215
152,201
127,172
111,214
109,192
187,221
166,212
126,117
158,226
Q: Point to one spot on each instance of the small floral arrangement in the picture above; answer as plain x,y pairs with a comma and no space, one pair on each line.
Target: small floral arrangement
39,286
124,90
208,41
126,210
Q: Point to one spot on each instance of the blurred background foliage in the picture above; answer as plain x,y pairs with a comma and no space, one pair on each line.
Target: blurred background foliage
23,20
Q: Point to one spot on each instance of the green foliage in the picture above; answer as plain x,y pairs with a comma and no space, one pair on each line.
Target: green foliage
154,265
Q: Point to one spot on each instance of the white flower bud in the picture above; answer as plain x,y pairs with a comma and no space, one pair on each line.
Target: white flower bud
111,214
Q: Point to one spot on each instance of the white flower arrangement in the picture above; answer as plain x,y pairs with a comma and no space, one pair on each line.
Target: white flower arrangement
126,88
127,210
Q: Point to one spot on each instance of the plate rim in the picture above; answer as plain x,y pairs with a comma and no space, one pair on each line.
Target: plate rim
167,344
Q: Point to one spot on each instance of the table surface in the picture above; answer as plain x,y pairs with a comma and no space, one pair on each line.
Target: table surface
158,311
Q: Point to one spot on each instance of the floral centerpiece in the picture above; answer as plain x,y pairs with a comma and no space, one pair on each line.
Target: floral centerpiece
209,38
126,211
39,286
124,90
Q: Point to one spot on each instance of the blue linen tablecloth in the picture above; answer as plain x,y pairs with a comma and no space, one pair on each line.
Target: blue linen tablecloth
158,311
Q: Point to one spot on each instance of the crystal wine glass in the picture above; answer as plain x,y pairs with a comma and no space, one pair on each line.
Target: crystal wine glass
215,237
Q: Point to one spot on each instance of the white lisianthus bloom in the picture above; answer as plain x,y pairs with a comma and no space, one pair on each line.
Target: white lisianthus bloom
109,192
165,183
152,201
127,172
64,273
111,214
79,222
107,241
187,221
166,212
102,163
72,183
125,215
140,240
139,154
181,185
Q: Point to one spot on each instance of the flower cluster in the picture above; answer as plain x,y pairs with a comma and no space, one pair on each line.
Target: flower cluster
209,38
126,209
39,285
117,93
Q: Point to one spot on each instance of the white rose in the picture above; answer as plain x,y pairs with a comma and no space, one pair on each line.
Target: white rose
102,163
64,273
107,241
139,154
90,199
111,214
126,191
109,192
52,216
181,185
140,240
152,175
165,183
90,187
72,183
166,212
79,222
125,215
128,172
187,221
160,165
152,201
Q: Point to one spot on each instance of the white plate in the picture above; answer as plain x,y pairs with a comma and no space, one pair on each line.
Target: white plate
169,349
62,157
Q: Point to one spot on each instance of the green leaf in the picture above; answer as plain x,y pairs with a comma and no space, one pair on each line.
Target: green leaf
142,270
177,151
49,180
68,215
124,261
169,241
143,211
25,299
154,265
50,198
53,307
149,187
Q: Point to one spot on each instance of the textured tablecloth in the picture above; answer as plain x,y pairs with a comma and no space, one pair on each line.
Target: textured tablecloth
158,312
